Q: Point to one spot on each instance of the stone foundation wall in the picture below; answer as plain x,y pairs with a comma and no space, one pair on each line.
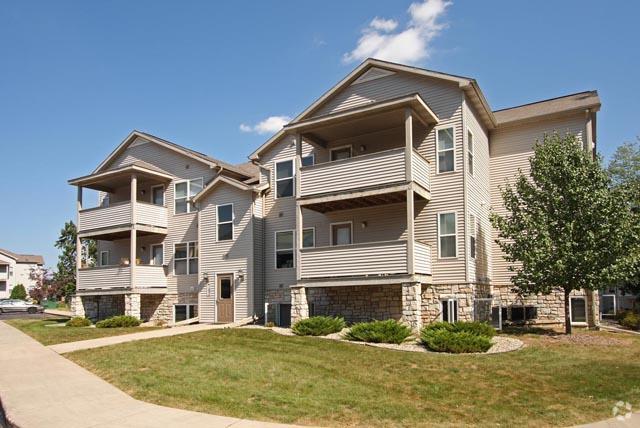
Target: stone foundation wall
433,294
159,307
98,307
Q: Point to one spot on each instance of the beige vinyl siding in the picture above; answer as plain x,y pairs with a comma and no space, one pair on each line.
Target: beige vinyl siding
478,197
148,276
117,214
227,257
511,148
104,277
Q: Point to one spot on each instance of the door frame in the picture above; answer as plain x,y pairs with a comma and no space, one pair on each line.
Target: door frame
233,293
151,253
164,202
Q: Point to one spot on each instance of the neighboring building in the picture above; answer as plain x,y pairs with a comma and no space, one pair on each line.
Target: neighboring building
16,269
373,203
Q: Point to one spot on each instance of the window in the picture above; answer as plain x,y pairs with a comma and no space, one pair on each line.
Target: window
470,151
446,150
284,179
3,285
157,195
308,160
185,258
225,288
184,312
104,258
340,153
472,235
578,310
308,237
284,249
157,254
3,268
449,310
447,238
341,233
224,221
183,192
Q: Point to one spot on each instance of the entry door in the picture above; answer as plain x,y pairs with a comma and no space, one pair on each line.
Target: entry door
224,302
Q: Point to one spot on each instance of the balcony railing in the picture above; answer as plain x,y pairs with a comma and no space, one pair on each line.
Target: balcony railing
375,169
120,214
367,259
119,277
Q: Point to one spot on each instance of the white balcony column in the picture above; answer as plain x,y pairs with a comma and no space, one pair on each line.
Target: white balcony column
412,305
78,240
408,140
132,305
133,241
411,238
298,233
299,304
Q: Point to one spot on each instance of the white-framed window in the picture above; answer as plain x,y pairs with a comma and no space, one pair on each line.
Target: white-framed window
284,249
449,310
104,258
157,195
341,233
157,254
184,312
3,285
3,268
285,179
185,258
224,222
470,152
339,153
309,237
445,143
578,310
447,235
308,160
184,191
472,236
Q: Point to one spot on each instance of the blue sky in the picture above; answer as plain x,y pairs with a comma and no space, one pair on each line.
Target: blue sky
77,77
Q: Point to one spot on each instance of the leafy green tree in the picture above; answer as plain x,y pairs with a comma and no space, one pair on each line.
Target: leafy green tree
65,274
565,228
18,292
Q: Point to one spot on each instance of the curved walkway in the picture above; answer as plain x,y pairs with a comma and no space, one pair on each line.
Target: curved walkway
40,388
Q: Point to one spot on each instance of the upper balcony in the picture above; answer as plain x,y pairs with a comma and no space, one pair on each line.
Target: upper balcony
115,278
120,215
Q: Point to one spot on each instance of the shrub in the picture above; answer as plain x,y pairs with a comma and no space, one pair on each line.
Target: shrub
444,340
318,326
389,331
119,321
476,328
18,292
78,322
631,320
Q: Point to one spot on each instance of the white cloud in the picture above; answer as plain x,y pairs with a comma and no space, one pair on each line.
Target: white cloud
270,125
410,45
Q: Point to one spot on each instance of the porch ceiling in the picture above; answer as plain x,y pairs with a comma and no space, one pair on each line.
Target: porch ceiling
368,199
109,180
114,234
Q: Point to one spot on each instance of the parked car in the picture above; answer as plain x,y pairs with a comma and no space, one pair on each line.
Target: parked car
15,305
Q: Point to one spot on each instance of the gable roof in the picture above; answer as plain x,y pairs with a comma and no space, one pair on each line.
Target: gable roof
468,85
536,110
23,258
221,179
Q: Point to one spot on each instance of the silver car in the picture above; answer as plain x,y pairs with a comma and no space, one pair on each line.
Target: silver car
15,305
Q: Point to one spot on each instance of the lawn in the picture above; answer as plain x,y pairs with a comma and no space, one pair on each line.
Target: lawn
52,335
257,374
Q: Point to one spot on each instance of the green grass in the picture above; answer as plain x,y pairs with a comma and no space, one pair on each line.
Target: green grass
260,375
53,335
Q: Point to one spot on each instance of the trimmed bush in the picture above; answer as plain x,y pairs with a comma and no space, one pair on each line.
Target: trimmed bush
477,328
631,320
119,321
443,340
389,331
318,326
78,322
18,292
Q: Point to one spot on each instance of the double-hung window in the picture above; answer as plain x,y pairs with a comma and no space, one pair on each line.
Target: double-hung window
470,152
184,312
3,268
449,310
447,237
184,191
284,179
284,249
224,220
446,150
185,258
472,235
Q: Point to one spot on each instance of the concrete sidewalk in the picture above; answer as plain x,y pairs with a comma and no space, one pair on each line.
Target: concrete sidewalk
40,388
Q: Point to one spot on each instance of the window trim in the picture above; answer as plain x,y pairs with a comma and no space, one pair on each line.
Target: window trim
187,258
188,311
188,198
275,249
455,213
455,154
314,236
108,257
312,156
586,310
449,301
151,254
331,150
276,179
163,195
350,223
471,162
232,221
473,234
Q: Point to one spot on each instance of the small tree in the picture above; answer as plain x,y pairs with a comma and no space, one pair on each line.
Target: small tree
46,287
18,292
565,227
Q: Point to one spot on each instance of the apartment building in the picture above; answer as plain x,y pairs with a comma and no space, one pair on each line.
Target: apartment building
16,269
373,203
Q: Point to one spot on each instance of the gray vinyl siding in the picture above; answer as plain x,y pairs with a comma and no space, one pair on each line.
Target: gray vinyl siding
510,150
227,257
258,254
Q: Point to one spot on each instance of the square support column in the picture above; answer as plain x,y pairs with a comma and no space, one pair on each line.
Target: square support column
299,304
412,305
132,305
77,308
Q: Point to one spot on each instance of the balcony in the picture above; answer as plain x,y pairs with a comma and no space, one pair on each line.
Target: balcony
372,259
118,278
120,215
